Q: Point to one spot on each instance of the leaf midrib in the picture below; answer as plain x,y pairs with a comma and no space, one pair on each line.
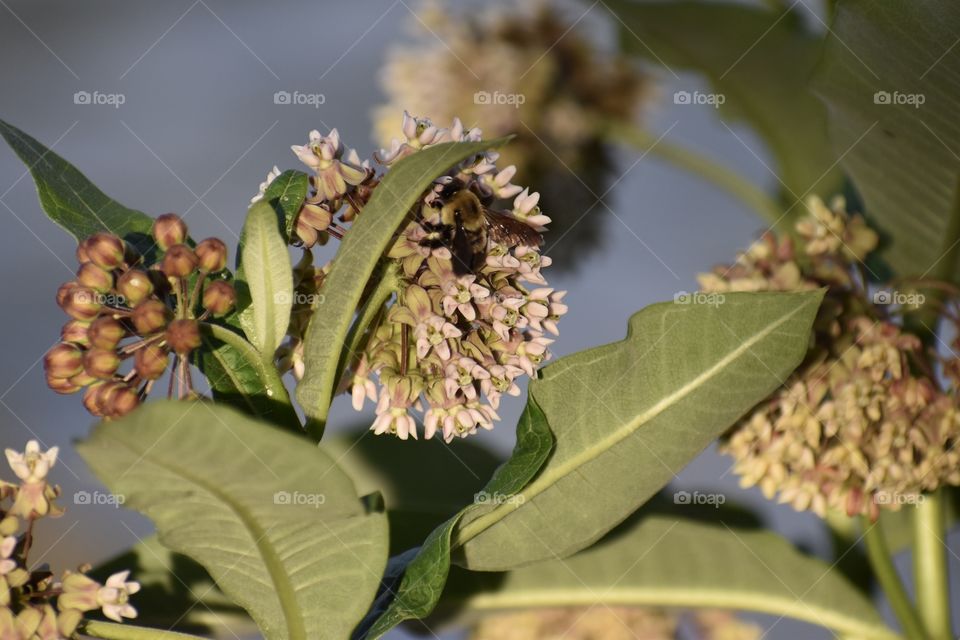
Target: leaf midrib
551,476
285,591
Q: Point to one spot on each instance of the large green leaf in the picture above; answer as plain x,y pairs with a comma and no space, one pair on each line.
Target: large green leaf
276,523
903,157
269,279
666,561
71,200
357,258
176,592
629,415
761,60
626,418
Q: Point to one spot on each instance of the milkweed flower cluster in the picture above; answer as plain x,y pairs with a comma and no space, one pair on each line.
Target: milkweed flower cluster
33,605
863,425
531,72
444,343
124,310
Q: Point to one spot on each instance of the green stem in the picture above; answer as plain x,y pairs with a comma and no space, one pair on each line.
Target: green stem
707,168
930,565
113,631
886,573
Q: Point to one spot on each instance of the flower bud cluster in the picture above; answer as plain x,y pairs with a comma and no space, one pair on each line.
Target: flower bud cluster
33,605
123,311
863,424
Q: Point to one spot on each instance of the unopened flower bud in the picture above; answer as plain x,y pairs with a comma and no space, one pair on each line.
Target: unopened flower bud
169,230
134,286
91,397
63,361
62,386
183,336
9,526
83,379
75,332
219,297
106,332
81,303
151,362
150,316
121,401
105,250
179,261
68,621
98,279
101,363
212,254
81,253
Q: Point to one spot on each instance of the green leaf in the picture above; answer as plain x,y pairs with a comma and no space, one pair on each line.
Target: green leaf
357,258
902,157
629,415
424,571
176,592
272,518
761,61
72,201
269,278
664,561
286,194
238,376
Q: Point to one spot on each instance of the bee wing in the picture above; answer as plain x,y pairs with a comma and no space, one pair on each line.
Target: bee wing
508,229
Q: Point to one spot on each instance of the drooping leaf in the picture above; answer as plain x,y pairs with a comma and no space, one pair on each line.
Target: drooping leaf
238,376
272,519
761,62
415,579
72,201
629,415
286,194
176,592
357,258
269,279
669,561
888,78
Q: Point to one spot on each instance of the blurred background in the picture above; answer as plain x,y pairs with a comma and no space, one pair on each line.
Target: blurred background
195,123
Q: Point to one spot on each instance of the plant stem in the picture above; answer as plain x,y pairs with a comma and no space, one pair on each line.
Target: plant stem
886,573
930,565
113,631
707,168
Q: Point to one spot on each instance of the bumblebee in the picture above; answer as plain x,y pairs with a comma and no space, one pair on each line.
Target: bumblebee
462,223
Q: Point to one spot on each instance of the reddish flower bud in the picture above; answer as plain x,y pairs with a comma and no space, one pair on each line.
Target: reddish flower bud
120,402
105,250
98,279
81,253
64,387
83,379
212,254
80,303
183,336
150,316
169,230
93,395
101,363
63,361
179,261
219,297
135,286
106,332
151,362
75,332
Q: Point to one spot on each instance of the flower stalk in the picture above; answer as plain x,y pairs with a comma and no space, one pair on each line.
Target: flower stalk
882,564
